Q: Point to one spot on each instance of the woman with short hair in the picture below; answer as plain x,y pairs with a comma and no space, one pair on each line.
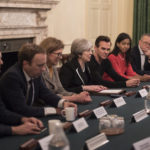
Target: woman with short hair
75,75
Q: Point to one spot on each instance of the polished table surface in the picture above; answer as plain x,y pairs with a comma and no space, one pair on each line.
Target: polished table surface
133,131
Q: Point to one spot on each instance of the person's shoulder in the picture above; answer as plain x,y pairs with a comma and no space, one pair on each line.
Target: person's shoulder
135,49
112,56
14,71
72,64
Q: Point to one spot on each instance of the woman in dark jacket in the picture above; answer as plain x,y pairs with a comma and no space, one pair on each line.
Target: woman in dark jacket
75,75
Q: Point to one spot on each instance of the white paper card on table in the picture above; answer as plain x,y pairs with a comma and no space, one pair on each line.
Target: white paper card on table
142,144
111,91
44,142
100,112
140,115
96,141
80,124
143,92
119,101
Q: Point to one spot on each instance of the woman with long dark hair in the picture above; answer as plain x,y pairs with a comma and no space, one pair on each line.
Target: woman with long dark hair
120,59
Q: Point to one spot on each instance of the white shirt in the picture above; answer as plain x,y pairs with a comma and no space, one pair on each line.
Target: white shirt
47,110
142,58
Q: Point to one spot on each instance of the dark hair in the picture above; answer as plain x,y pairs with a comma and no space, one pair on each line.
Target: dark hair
51,44
116,50
101,38
28,51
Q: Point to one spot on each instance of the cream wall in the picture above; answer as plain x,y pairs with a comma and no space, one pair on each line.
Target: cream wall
67,21
72,19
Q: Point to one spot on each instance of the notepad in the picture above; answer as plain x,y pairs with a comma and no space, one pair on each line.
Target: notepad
111,91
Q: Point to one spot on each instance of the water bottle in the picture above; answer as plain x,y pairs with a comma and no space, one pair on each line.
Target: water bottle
59,140
147,101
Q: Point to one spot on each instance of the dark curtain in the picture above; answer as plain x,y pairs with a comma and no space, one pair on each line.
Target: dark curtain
141,19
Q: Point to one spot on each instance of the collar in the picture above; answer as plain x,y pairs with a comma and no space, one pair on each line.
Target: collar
28,78
141,52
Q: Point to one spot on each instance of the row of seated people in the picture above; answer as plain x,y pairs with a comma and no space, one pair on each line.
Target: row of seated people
110,69
83,73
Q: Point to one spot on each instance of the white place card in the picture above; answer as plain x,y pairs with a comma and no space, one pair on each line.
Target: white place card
80,124
142,144
100,112
140,115
119,101
143,92
96,141
44,142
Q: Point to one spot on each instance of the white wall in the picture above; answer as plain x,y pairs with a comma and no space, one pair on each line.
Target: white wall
67,21
72,19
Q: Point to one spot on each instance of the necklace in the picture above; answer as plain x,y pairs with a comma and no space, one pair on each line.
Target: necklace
122,58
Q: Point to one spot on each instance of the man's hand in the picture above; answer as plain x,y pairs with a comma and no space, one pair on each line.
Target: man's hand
132,82
26,128
33,120
69,104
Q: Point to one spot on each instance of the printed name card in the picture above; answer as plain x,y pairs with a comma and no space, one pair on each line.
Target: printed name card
140,115
119,101
80,124
44,142
100,112
143,92
142,144
96,141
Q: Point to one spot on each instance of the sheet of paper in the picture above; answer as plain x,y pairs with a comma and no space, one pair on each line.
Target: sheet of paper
112,91
44,142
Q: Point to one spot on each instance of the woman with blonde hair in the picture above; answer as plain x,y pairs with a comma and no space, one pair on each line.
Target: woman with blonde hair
54,48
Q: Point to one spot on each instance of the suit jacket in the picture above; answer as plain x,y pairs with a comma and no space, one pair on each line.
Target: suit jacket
72,77
54,83
5,130
97,71
7,118
13,87
136,62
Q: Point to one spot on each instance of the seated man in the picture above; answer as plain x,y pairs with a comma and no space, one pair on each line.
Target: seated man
26,86
100,64
54,48
7,118
140,56
12,123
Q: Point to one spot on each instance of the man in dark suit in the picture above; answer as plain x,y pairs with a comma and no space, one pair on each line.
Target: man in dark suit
22,85
140,58
100,65
9,121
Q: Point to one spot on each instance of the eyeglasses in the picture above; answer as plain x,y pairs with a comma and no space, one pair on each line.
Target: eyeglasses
58,54
146,43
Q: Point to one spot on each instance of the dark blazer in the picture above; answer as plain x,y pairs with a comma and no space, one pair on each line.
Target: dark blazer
7,118
72,77
13,87
136,62
97,71
5,130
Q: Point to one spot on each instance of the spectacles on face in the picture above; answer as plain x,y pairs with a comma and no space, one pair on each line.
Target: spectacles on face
146,43
58,54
